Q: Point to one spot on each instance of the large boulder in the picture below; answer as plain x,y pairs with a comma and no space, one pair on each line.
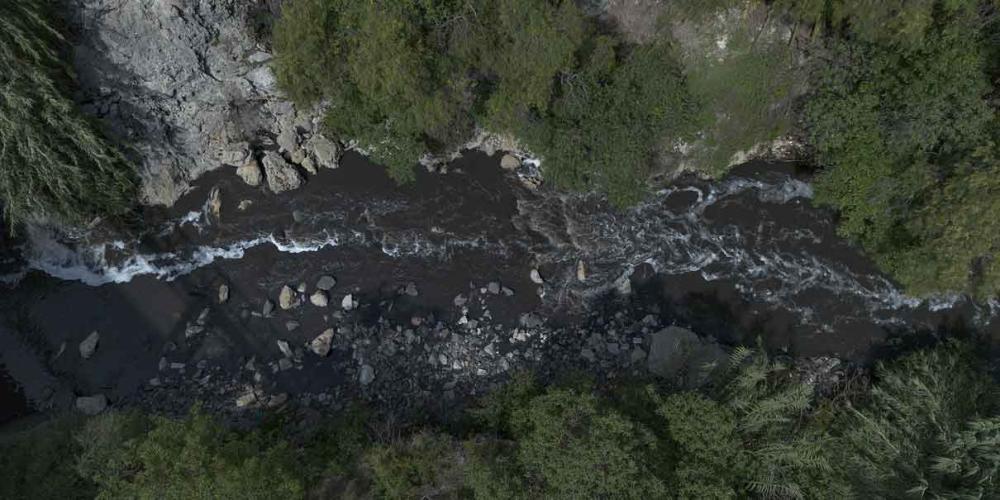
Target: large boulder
682,356
281,175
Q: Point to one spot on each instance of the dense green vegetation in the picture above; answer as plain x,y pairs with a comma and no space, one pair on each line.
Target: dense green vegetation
411,77
927,426
53,164
904,125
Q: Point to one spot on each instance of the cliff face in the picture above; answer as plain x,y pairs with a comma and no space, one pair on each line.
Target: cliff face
185,85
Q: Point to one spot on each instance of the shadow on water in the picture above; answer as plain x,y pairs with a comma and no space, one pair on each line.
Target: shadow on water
13,404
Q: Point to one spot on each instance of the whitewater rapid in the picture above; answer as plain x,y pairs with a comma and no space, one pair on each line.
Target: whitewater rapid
758,232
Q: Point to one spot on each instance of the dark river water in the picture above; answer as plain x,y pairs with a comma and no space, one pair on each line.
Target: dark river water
743,258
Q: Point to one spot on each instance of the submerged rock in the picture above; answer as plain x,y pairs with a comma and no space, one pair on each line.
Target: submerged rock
326,283
89,345
681,355
366,375
92,405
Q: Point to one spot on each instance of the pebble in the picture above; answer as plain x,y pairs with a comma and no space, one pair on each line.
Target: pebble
223,293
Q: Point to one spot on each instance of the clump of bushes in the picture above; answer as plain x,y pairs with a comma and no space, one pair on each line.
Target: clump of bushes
54,165
407,78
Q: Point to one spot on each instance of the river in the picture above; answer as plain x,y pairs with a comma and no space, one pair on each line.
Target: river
743,258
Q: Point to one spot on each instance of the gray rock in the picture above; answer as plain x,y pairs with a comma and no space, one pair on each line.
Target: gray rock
319,298
507,292
460,300
250,173
536,277
292,325
411,290
267,309
366,375
581,271
92,405
326,283
302,287
239,154
213,205
223,293
285,364
281,175
326,151
509,162
288,139
321,345
493,287
187,91
287,298
348,302
89,345
285,349
681,355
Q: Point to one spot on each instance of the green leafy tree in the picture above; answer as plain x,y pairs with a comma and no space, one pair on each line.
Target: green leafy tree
196,457
901,129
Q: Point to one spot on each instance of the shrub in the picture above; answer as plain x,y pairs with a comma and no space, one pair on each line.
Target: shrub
54,165
197,458
426,465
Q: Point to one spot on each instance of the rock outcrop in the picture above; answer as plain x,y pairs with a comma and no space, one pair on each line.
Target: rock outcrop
187,85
